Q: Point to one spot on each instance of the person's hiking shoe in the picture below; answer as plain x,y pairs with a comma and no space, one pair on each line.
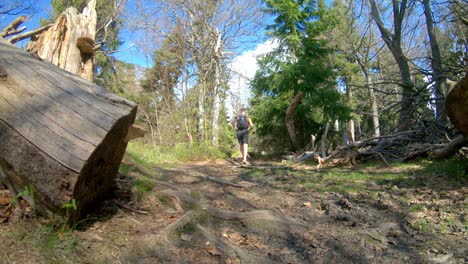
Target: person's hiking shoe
245,162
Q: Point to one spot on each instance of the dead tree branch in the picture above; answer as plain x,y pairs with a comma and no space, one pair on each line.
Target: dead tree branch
29,34
12,28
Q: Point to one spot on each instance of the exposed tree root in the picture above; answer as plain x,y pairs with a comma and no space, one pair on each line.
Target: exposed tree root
230,250
259,220
130,208
212,179
196,207
451,148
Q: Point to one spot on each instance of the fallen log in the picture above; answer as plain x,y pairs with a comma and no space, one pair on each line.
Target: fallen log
456,105
61,136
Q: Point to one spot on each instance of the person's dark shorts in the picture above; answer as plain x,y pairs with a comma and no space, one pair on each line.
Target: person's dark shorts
243,136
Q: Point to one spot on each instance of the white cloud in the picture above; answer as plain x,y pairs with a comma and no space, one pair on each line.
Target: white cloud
243,69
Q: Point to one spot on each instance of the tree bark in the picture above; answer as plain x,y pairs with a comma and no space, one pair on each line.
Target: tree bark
29,34
201,114
12,28
374,106
457,105
350,124
216,106
436,63
61,136
393,42
69,43
324,140
290,119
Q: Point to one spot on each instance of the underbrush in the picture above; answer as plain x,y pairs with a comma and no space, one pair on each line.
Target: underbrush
371,177
147,154
40,243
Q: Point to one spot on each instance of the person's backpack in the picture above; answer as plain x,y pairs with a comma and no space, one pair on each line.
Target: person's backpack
242,122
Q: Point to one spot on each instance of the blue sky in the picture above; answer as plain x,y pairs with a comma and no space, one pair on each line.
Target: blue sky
243,64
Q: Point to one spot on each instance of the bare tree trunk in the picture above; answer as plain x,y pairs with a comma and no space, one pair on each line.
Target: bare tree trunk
323,141
216,107
69,43
156,115
201,114
393,42
349,131
374,106
148,120
290,119
436,64
312,140
345,135
189,135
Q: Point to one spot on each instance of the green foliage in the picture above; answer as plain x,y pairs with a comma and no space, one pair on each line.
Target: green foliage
417,208
455,168
26,193
142,186
300,63
54,242
70,205
149,155
421,225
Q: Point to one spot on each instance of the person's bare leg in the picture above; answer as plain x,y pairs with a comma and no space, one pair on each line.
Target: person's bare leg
244,154
241,150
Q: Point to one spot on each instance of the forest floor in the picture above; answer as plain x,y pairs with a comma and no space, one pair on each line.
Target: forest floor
270,212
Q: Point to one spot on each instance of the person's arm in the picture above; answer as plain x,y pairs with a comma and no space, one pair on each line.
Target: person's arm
251,125
235,124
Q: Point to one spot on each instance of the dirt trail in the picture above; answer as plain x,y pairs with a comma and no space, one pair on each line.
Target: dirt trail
219,213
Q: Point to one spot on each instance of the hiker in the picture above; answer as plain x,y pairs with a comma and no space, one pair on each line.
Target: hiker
242,125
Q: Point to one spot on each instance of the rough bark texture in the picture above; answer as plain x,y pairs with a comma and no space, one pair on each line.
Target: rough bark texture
216,104
60,43
436,63
290,119
374,106
457,105
393,42
60,135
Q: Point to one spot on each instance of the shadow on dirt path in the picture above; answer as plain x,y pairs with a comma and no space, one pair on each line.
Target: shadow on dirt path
217,212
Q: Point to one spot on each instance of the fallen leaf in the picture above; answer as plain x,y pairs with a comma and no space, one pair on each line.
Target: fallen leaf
186,237
284,251
307,204
5,200
441,259
96,237
213,251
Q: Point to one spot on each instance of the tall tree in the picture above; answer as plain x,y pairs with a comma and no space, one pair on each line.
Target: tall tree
358,49
298,71
393,40
159,87
212,32
436,63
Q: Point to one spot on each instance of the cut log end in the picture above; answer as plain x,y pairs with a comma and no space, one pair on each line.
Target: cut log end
59,135
3,74
457,104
